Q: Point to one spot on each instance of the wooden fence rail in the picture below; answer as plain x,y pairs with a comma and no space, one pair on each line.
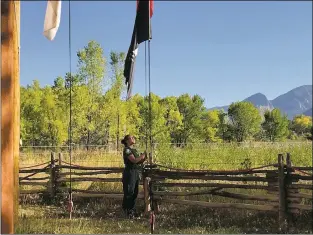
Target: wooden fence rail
281,187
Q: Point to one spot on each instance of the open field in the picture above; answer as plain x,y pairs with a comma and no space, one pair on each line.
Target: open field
94,216
194,156
104,215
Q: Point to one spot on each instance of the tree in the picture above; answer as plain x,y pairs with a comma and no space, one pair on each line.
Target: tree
192,111
134,123
31,114
154,121
59,83
301,124
245,120
91,65
172,116
275,125
54,131
42,118
225,129
113,102
211,125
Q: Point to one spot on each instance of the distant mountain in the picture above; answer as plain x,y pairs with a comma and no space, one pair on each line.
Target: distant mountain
308,112
294,102
260,101
224,108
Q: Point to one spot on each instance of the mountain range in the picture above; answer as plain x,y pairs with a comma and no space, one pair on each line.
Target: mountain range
294,102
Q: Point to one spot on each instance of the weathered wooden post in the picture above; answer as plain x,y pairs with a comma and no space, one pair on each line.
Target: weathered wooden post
272,184
154,202
282,194
150,158
52,176
156,206
58,170
16,107
60,159
10,113
146,194
289,182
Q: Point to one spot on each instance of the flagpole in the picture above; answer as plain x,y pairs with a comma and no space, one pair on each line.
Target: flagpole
150,106
146,94
10,106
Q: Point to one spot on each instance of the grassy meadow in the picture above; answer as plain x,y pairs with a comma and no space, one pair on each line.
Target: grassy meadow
193,156
104,215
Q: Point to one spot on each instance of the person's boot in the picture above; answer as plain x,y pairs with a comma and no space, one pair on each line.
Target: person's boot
126,213
134,214
130,215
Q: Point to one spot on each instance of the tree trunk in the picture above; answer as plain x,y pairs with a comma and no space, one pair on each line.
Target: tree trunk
118,132
88,140
88,134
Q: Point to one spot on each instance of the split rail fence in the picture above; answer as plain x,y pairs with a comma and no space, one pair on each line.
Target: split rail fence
279,187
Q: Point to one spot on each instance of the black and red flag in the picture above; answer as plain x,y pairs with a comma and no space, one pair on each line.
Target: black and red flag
141,33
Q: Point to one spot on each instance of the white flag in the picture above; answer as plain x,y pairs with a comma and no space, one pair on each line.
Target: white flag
52,19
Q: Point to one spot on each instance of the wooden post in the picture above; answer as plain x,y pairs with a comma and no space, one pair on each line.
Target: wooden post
10,87
154,205
146,194
52,176
16,107
272,185
60,159
57,174
282,194
289,182
118,131
150,158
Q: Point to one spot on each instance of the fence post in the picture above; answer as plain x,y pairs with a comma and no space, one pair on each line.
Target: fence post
57,173
293,191
52,175
153,202
150,158
272,185
282,194
60,159
156,206
146,194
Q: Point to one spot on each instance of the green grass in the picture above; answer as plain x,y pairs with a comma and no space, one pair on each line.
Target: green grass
95,216
194,156
105,217
231,156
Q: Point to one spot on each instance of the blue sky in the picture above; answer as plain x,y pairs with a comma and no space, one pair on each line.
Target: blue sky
223,51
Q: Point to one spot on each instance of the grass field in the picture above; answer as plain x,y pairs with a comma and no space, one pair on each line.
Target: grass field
104,215
195,156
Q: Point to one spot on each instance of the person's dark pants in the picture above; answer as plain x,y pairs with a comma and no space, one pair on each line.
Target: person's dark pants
130,188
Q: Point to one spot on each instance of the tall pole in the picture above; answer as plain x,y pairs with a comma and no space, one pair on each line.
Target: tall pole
118,130
150,107
16,105
10,113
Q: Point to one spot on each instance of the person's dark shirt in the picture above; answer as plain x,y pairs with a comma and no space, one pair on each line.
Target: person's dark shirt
126,153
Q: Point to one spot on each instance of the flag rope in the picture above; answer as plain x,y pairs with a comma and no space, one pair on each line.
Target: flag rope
152,214
70,201
146,94
150,102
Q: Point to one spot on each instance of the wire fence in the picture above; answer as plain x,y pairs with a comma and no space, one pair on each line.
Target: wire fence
112,147
189,156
